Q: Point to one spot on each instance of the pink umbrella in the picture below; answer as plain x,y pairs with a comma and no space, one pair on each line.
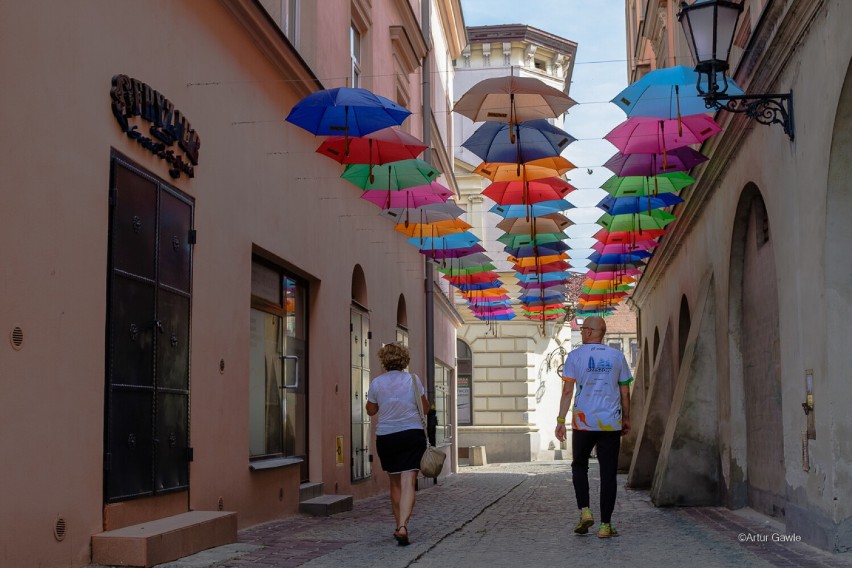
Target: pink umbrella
621,248
410,197
645,135
610,274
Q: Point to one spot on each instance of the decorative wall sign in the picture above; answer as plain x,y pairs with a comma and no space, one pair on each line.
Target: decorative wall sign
132,98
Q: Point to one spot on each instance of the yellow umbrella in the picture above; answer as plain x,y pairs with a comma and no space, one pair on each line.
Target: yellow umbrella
528,171
436,229
537,260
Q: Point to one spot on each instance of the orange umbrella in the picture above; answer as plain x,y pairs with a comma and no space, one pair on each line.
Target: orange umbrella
528,171
436,229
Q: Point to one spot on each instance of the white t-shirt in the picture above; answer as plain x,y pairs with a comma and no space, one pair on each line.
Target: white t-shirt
598,371
393,392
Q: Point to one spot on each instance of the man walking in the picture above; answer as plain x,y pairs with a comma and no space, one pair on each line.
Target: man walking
601,415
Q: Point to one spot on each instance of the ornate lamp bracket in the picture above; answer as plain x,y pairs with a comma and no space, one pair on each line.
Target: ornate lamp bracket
765,109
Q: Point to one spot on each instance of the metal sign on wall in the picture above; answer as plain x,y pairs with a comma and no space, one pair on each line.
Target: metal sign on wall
133,98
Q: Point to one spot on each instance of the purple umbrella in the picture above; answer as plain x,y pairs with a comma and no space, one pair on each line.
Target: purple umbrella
677,160
453,253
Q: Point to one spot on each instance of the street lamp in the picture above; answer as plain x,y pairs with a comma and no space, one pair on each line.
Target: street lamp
709,26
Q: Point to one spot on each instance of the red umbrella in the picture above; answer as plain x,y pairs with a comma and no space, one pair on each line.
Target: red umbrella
376,148
521,193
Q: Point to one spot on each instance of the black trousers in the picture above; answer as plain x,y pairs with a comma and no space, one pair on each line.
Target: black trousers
608,444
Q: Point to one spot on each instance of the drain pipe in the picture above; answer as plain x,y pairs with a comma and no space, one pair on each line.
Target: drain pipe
429,283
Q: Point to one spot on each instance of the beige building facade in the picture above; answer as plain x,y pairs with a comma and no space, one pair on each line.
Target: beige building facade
513,393
742,391
194,299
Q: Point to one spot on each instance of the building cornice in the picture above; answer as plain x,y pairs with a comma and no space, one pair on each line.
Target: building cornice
781,30
452,20
274,45
523,33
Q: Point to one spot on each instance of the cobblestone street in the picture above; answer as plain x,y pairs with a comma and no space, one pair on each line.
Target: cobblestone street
516,515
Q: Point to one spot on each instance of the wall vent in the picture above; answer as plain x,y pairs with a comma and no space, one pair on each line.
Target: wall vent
17,338
59,529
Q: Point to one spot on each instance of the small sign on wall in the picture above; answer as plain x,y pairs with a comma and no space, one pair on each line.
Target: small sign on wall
340,450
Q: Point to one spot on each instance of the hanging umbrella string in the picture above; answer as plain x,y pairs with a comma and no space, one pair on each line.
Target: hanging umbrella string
663,139
679,122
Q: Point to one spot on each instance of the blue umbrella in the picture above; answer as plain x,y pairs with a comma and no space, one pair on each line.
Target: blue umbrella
543,277
625,205
479,286
346,111
519,143
669,93
634,256
451,241
535,209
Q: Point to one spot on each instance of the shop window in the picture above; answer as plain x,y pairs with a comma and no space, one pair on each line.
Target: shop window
277,364
442,402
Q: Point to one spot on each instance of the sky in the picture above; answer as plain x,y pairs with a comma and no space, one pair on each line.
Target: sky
600,72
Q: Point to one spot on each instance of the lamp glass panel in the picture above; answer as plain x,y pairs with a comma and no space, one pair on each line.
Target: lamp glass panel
701,23
726,25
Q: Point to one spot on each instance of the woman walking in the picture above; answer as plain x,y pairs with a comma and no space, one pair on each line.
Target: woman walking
400,438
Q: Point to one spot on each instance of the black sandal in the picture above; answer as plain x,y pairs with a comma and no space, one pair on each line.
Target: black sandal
401,539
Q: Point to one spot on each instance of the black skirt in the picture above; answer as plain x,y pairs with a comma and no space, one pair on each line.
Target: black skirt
401,451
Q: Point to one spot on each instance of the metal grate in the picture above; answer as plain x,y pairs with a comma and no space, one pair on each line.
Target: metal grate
17,338
59,529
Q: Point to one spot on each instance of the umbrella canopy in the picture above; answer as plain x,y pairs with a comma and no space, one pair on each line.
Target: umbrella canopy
629,271
514,241
621,248
643,135
622,205
556,266
520,193
478,285
636,221
637,186
468,262
548,223
537,250
537,297
537,260
616,258
454,241
627,237
346,111
512,99
668,93
379,147
452,252
534,210
520,142
493,293
600,284
396,175
544,277
528,171
410,197
476,278
436,229
677,160
603,291
429,213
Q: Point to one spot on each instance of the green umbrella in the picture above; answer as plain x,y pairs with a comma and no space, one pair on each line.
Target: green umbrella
639,186
391,176
604,291
456,271
636,222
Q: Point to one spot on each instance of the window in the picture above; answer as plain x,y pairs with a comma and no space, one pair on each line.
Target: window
290,19
355,54
465,378
615,344
277,364
443,381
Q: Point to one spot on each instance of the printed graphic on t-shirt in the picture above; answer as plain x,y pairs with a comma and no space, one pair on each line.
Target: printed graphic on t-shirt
598,371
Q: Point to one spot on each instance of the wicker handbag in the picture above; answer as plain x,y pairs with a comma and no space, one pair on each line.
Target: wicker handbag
432,461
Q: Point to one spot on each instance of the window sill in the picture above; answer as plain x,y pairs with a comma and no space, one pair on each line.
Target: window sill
273,463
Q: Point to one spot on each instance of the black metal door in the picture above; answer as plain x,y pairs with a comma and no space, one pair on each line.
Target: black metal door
148,317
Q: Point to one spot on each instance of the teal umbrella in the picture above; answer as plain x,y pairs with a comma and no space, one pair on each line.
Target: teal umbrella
394,175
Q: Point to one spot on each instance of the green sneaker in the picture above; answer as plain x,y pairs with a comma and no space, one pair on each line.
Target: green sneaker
586,520
606,530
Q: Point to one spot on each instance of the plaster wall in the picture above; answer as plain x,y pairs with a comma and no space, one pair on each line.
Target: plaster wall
258,184
792,178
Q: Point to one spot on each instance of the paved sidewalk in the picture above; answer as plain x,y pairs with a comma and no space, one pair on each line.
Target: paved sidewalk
516,515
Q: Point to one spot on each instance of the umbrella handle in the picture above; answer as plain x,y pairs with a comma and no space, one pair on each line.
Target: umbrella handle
679,122
346,132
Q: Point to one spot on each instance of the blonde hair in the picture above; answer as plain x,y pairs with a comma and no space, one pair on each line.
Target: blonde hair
394,357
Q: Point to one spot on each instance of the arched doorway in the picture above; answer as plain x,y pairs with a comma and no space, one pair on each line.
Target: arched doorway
464,366
755,355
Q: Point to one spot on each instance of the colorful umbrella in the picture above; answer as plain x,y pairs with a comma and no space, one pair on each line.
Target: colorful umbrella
548,223
529,171
346,111
475,278
636,221
410,197
634,256
642,135
512,99
534,210
521,142
379,147
452,252
514,241
637,186
425,213
396,175
627,237
668,93
556,266
616,248
520,192
677,160
436,229
622,205
537,260
544,277
537,250
469,261
454,241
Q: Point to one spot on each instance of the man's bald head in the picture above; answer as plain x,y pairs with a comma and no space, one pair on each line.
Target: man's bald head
593,329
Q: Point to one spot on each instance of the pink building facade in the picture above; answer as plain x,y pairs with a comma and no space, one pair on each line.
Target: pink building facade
194,299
